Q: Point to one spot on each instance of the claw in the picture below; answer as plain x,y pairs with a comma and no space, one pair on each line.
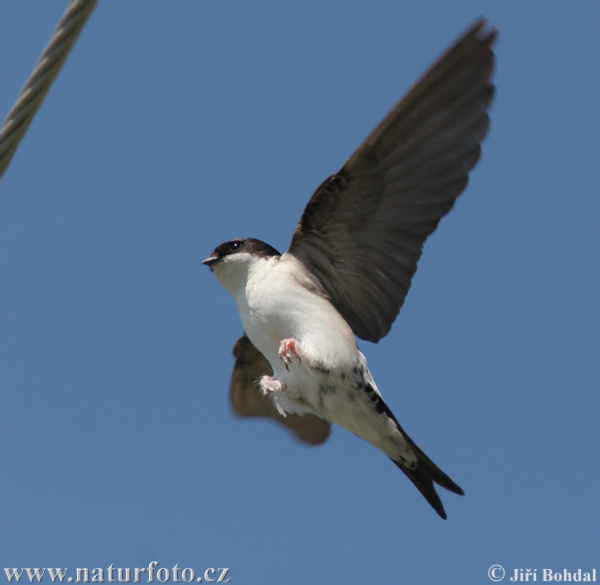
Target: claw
287,348
269,385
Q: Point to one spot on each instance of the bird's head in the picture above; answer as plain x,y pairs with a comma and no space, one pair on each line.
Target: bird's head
233,261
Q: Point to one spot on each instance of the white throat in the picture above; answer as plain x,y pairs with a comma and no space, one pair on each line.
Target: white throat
235,271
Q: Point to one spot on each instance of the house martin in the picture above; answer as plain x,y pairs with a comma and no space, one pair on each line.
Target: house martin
350,264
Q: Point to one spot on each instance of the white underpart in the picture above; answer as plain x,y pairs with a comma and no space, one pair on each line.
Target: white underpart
274,305
276,302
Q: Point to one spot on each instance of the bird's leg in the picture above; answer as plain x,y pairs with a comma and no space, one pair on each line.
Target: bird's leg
287,349
269,385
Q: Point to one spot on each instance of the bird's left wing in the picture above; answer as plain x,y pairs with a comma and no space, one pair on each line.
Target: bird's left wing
247,399
362,232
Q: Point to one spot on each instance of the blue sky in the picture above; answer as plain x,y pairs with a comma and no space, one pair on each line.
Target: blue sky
175,126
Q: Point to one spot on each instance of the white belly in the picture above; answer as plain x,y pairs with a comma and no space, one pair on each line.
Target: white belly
274,306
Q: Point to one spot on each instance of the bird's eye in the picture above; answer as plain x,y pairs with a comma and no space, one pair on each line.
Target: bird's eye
236,245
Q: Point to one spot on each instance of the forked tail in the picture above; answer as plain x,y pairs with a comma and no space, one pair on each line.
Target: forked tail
425,474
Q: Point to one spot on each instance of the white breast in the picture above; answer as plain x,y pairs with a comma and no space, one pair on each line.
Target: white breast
278,302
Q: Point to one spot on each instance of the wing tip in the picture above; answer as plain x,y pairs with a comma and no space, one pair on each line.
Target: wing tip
481,28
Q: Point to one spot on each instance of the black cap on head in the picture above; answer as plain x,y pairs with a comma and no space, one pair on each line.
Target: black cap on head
249,245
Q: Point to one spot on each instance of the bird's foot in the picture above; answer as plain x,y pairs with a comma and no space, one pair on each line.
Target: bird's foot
269,385
287,349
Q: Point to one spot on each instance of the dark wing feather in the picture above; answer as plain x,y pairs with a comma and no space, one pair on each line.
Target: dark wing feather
362,232
247,399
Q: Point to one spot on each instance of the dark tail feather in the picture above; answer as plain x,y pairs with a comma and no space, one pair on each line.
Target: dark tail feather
425,474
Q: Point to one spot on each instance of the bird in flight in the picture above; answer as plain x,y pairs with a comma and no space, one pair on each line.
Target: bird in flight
350,264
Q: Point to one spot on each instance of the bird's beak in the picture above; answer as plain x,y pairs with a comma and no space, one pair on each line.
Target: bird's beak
210,261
